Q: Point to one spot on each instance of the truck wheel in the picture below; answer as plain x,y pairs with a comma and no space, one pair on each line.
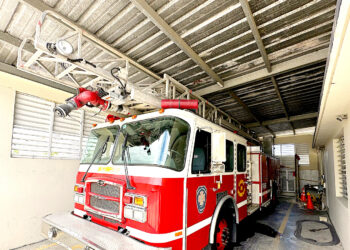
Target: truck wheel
225,230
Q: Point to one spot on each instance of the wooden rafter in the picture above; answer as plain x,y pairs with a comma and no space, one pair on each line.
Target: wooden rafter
148,11
248,110
275,85
250,18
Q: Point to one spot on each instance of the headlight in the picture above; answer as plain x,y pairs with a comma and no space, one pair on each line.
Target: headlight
133,213
128,212
79,198
140,215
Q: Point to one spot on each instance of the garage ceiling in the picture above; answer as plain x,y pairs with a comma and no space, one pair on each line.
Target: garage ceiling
270,56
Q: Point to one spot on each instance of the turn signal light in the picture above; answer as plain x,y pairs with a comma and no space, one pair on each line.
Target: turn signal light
134,116
94,125
161,111
78,189
138,201
122,119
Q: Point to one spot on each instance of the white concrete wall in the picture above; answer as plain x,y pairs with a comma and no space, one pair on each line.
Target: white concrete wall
339,207
335,101
29,188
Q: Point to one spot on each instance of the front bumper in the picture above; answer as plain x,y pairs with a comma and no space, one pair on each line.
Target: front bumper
73,232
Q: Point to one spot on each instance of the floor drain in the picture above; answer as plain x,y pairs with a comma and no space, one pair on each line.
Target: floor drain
318,233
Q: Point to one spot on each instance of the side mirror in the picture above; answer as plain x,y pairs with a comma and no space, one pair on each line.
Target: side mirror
218,147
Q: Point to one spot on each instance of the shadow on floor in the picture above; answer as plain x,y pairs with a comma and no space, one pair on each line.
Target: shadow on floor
276,229
251,225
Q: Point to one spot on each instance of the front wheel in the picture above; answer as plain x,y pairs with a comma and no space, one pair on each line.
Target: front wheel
225,230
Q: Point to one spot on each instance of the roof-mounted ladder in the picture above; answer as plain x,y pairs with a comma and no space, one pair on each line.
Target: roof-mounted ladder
79,69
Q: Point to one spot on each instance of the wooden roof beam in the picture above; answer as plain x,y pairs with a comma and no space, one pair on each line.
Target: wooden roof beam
245,107
282,120
149,12
248,110
292,64
277,90
250,18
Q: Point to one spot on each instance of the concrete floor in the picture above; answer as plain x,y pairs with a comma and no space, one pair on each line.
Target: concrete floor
263,231
283,222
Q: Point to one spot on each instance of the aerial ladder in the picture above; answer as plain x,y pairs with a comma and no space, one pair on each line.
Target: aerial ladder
102,75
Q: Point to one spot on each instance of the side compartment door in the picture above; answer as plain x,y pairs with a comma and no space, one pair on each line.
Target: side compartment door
241,180
265,183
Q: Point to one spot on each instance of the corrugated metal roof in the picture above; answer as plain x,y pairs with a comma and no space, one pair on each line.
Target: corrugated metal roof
217,30
300,90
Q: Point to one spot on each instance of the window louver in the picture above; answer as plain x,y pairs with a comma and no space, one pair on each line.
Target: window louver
302,150
286,153
341,167
38,133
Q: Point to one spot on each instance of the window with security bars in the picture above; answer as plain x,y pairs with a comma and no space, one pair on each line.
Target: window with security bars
286,153
340,167
38,133
302,150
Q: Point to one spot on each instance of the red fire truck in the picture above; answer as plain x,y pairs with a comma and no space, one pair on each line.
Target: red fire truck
167,179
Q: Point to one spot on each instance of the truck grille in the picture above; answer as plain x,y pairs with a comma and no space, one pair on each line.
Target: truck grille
103,197
104,205
106,190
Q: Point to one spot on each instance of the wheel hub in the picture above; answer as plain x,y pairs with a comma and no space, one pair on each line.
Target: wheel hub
223,235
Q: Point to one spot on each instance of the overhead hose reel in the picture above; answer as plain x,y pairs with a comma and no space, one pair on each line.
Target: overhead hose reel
84,97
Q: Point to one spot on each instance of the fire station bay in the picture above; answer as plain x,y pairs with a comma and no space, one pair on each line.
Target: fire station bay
174,124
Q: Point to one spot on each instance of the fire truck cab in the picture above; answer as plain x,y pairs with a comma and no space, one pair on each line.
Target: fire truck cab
167,179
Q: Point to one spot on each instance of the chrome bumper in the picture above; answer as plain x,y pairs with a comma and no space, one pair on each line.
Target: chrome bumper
73,232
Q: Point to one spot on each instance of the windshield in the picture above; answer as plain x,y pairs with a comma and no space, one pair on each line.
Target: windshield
159,141
101,137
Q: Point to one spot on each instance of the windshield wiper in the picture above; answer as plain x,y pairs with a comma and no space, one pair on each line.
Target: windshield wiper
95,157
124,156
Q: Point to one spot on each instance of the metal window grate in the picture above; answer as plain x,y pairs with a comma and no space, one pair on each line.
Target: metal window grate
286,153
342,167
302,150
38,133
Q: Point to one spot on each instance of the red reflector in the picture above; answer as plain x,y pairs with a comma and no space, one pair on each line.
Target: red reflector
80,189
127,199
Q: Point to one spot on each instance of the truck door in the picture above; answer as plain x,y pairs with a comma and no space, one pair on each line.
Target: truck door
201,195
204,189
241,181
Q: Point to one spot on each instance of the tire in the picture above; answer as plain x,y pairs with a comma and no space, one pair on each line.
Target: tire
225,230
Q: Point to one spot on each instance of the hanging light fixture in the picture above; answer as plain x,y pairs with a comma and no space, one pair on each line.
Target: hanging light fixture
64,48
